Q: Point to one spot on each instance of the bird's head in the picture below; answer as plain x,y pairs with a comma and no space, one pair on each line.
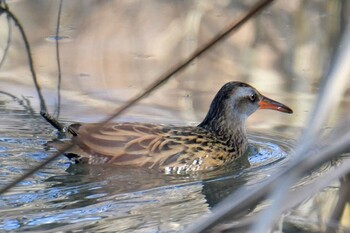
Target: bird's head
235,101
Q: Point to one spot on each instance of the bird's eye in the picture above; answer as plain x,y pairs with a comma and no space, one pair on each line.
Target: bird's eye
252,97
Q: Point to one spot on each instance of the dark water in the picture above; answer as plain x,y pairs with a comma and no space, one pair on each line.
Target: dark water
63,197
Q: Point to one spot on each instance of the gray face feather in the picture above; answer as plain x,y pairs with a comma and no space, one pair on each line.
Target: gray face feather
242,102
234,102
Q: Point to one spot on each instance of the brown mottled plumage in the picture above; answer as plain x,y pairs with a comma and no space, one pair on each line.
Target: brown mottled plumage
219,139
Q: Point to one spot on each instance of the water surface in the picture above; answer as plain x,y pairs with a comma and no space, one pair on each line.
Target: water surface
64,196
109,51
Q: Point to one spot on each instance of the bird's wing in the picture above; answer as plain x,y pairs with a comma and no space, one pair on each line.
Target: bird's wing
127,144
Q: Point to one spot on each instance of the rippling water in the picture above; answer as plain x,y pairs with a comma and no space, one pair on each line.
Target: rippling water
63,196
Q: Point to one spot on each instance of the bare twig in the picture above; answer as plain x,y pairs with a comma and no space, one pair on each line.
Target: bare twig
58,59
12,96
9,37
24,103
7,11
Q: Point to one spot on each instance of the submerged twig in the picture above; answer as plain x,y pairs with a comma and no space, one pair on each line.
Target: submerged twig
55,123
160,81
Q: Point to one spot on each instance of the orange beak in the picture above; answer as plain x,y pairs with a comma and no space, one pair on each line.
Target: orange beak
266,103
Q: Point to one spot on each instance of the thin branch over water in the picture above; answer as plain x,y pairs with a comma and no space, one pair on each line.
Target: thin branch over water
29,55
9,38
58,59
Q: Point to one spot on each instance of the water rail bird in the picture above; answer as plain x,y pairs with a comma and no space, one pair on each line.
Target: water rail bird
219,139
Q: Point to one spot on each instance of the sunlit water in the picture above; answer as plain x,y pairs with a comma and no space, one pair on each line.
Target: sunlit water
67,197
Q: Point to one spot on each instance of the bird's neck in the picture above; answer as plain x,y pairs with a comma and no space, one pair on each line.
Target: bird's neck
231,133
